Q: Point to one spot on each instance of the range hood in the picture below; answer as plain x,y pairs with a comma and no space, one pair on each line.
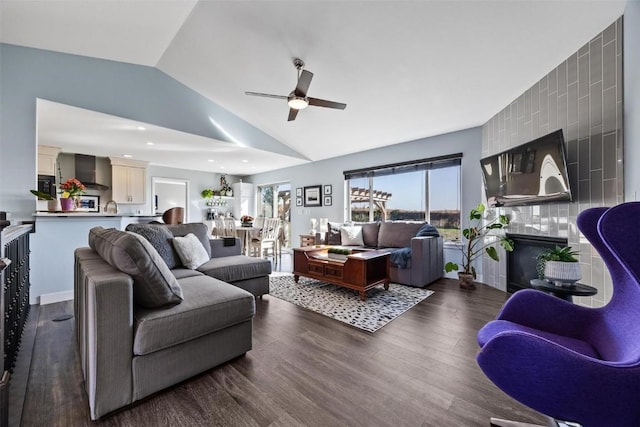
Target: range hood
86,172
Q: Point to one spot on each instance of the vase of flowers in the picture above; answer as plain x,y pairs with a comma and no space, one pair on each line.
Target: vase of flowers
72,189
246,221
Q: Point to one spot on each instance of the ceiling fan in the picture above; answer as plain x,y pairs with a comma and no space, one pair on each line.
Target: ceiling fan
298,99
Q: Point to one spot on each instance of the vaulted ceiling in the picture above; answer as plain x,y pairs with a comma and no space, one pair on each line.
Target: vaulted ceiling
405,69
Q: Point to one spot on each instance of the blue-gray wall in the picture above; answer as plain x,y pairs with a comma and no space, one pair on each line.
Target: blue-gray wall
125,90
468,142
632,100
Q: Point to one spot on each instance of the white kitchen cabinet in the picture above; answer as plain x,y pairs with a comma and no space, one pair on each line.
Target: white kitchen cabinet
244,199
128,181
47,159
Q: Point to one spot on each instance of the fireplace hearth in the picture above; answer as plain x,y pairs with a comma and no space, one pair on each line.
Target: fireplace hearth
521,263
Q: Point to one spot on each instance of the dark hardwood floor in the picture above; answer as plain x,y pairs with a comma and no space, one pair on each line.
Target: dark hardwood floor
305,369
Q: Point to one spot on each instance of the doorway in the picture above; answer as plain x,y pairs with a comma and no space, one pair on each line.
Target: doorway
274,201
167,193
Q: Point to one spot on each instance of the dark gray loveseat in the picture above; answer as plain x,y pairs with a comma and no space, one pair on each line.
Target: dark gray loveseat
142,327
424,255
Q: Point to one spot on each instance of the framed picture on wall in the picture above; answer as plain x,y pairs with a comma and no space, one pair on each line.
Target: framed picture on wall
299,192
327,190
312,196
298,201
327,200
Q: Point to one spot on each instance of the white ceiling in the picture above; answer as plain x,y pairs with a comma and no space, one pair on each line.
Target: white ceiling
405,69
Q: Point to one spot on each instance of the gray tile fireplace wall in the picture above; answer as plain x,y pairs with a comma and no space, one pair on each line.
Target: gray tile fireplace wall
583,97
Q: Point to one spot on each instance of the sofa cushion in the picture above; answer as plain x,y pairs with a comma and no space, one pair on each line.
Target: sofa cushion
197,228
190,250
153,283
397,234
236,267
181,273
370,232
209,305
351,235
160,238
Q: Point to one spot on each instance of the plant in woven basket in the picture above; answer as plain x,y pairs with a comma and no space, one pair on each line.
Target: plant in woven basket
563,254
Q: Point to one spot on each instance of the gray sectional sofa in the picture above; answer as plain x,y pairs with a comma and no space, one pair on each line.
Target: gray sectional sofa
142,326
419,251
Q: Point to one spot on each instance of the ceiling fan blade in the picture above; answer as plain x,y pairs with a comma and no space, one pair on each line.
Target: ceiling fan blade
328,104
266,95
292,114
303,83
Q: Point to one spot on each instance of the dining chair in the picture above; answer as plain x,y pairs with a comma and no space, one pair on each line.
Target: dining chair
267,239
230,227
173,216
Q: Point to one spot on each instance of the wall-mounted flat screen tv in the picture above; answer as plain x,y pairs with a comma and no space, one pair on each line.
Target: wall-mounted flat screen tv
530,174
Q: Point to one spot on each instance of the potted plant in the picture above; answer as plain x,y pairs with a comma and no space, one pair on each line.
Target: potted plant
559,265
338,253
476,244
246,221
72,189
207,195
52,202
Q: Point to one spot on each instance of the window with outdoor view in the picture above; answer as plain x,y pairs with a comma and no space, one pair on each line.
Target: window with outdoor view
423,190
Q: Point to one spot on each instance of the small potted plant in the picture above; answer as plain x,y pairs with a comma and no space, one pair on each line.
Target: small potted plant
476,244
559,265
338,253
52,202
72,189
207,195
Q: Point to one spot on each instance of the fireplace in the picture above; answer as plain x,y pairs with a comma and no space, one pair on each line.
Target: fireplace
521,263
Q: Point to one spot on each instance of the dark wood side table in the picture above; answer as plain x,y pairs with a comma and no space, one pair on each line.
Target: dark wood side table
564,292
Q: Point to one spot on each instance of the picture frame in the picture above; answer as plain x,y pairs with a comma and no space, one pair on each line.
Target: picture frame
299,192
312,196
298,201
328,200
89,204
327,190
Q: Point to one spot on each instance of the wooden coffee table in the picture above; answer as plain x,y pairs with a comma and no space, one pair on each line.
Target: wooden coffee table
361,271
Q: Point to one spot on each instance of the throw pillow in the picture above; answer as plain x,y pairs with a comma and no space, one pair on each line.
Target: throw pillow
333,234
351,235
160,238
153,284
199,229
190,251
427,230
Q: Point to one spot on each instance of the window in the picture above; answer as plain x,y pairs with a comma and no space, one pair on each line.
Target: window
423,190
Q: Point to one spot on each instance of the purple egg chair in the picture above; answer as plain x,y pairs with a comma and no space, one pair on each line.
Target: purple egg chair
569,362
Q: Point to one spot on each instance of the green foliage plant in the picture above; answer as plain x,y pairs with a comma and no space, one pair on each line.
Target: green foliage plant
475,243
42,195
341,251
207,193
557,253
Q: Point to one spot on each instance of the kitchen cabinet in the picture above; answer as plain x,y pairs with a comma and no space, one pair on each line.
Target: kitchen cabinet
47,159
128,181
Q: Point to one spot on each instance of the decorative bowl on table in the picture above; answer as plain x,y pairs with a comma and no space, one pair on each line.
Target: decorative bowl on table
246,221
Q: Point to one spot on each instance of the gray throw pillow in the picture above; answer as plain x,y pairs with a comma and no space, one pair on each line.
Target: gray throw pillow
161,239
334,237
153,284
199,229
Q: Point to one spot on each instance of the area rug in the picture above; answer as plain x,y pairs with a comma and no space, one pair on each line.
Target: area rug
343,304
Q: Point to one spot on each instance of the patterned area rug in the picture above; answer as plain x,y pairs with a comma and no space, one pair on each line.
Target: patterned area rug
343,304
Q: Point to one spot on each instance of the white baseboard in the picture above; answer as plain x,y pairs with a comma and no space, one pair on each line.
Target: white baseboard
56,297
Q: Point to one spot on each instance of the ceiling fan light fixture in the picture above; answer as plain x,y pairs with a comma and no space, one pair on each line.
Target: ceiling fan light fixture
298,102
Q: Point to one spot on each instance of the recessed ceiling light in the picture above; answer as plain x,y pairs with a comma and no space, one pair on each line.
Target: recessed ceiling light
149,143
210,160
128,156
141,128
245,161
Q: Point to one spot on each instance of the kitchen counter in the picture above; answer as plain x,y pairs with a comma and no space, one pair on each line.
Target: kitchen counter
77,214
56,237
